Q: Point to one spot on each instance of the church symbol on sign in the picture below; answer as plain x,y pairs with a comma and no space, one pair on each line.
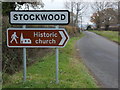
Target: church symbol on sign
24,40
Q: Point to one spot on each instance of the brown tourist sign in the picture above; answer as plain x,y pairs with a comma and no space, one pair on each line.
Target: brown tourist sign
37,37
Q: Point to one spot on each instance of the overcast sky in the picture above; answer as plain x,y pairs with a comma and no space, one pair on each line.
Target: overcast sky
59,5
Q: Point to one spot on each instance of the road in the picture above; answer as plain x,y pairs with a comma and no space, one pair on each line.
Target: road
101,57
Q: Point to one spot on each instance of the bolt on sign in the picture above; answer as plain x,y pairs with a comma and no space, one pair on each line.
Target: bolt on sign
37,37
46,17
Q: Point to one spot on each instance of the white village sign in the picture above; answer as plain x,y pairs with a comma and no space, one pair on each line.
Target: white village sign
46,17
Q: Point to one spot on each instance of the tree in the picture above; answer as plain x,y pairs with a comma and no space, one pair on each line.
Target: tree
80,10
109,17
97,8
34,5
95,18
8,6
104,14
77,9
89,27
70,5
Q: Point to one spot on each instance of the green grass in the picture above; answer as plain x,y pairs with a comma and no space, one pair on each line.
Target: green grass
111,35
72,72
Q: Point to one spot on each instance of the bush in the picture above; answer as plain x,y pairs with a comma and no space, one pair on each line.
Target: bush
6,78
72,31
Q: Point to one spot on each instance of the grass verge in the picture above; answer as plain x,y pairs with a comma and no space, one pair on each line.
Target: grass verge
72,72
111,35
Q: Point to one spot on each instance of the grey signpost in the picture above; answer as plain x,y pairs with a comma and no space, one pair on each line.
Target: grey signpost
41,17
24,61
57,67
57,63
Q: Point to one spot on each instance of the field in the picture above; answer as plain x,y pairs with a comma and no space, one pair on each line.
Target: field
72,72
111,35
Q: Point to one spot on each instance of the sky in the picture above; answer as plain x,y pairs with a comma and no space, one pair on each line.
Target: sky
59,5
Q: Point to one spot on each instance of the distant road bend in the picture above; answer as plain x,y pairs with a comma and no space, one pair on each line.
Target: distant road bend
101,57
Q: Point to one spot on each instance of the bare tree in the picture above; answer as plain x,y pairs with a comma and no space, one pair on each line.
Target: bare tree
80,9
70,5
77,9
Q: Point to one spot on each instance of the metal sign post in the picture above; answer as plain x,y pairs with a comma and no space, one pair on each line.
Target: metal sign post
57,63
38,37
24,61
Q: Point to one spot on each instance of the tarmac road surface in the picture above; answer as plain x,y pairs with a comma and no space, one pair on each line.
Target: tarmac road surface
101,56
